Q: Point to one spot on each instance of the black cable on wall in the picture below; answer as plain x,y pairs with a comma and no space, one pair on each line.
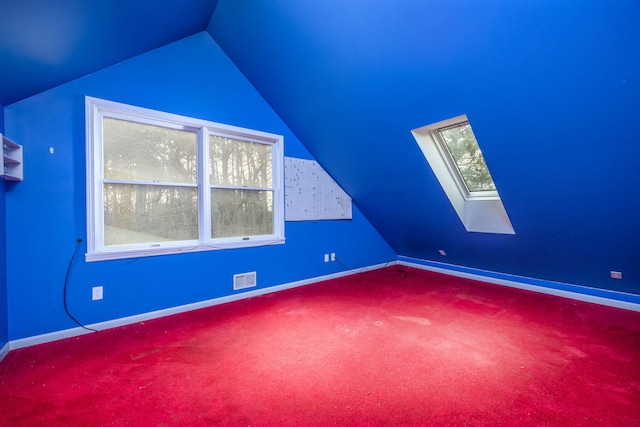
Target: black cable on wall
66,281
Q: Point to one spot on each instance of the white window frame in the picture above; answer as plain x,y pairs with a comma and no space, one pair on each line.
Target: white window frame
97,109
479,211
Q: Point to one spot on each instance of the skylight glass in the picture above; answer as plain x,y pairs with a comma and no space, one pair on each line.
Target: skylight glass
466,155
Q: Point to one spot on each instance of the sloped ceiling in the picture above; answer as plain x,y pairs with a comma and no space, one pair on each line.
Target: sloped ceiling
552,90
45,43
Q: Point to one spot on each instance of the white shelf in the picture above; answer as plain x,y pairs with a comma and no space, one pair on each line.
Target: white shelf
12,160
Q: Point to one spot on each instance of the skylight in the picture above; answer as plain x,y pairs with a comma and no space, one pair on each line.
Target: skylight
463,148
453,153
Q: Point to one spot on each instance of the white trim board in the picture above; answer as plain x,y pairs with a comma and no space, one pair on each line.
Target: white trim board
73,332
518,282
4,350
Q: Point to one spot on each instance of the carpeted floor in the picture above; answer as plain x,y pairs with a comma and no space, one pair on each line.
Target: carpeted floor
390,347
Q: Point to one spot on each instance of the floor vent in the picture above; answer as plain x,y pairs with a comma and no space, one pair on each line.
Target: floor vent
244,280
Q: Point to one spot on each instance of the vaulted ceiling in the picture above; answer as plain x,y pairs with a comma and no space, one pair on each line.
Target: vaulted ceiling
45,43
552,90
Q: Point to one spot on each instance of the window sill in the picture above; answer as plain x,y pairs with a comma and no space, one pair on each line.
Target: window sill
147,252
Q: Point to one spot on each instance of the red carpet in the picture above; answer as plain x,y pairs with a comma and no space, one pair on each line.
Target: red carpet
384,348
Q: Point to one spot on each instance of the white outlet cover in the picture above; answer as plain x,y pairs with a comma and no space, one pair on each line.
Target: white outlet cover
96,293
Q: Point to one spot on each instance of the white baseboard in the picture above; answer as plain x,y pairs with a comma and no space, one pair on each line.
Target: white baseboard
582,293
4,350
73,332
481,275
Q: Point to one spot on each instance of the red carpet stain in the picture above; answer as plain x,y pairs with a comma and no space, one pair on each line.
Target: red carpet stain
572,351
611,353
146,353
417,320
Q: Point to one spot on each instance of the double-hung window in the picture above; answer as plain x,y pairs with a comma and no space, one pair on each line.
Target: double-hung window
159,183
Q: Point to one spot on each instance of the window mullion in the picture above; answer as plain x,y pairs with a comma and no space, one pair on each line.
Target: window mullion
96,239
204,194
149,183
241,187
278,189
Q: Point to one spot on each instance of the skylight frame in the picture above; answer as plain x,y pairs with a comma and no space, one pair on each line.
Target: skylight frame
479,211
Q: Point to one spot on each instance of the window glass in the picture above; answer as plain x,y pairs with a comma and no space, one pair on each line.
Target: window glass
149,213
240,163
464,149
241,212
142,152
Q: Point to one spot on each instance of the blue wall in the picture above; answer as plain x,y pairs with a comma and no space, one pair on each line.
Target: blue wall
46,212
552,90
4,321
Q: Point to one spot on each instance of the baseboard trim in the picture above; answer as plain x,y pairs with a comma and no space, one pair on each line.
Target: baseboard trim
581,293
4,350
74,332
576,292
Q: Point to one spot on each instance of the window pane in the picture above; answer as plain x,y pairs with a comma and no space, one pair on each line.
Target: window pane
241,213
141,152
149,214
466,153
240,163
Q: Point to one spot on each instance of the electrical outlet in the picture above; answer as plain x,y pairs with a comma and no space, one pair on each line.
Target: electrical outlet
616,274
96,293
333,256
326,257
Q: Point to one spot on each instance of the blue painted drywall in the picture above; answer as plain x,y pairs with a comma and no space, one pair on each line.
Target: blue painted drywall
46,212
4,320
552,90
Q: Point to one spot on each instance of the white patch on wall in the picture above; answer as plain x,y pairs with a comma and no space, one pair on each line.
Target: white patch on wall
310,194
